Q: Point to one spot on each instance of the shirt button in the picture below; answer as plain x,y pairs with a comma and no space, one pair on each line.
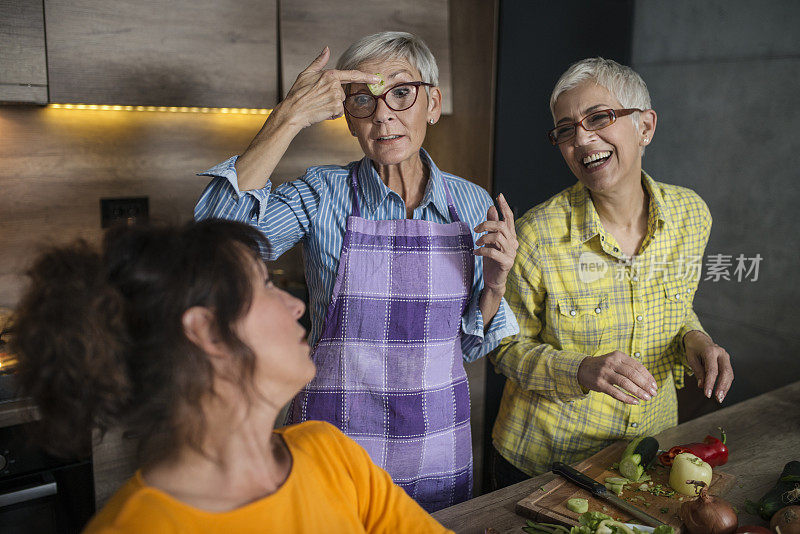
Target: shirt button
597,310
602,238
573,313
616,249
634,425
677,296
639,317
635,278
637,354
235,197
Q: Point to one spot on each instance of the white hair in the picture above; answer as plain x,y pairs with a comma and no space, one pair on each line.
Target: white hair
392,45
621,81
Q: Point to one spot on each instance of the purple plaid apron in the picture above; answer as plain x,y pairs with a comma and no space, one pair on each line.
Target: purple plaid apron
389,365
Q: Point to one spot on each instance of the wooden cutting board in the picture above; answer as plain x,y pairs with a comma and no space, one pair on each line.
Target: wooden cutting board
548,503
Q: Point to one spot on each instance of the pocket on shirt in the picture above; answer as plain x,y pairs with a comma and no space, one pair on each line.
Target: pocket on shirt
675,299
582,323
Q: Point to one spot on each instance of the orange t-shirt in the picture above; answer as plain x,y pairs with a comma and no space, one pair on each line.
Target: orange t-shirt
333,487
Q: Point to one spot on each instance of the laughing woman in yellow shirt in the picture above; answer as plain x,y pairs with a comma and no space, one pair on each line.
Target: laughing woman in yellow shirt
602,288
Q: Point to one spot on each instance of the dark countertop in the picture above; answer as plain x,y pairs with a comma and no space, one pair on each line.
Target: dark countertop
763,435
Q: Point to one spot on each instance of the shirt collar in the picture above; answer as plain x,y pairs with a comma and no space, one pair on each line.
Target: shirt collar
374,191
585,222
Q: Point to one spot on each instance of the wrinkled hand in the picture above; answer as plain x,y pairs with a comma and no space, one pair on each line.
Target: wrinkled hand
498,246
603,373
710,363
317,94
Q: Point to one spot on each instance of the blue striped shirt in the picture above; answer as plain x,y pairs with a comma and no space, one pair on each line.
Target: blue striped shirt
313,211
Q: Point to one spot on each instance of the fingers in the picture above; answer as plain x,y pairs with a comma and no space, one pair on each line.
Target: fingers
355,76
491,214
719,372
619,376
508,214
710,367
725,378
619,394
638,383
319,62
496,239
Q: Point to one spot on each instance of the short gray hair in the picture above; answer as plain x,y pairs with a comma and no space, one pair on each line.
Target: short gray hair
621,81
392,45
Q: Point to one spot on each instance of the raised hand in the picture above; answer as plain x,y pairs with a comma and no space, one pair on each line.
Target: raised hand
317,93
498,246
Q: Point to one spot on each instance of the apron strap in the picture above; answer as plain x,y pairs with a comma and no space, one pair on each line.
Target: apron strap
354,181
357,208
450,205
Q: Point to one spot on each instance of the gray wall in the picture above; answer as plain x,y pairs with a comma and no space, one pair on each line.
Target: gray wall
724,78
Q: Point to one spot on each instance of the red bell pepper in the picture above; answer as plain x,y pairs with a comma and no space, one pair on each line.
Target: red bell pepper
711,450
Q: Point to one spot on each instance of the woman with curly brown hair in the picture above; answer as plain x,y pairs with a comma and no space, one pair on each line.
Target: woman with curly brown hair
179,335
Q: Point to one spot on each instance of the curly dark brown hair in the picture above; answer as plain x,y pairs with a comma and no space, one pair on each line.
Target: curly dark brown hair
100,337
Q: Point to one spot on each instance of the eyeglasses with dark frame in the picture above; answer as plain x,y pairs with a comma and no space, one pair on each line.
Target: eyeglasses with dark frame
398,97
591,122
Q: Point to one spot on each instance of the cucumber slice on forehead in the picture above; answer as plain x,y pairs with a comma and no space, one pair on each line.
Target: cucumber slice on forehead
377,88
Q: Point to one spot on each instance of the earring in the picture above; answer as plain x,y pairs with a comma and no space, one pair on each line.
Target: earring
430,121
646,140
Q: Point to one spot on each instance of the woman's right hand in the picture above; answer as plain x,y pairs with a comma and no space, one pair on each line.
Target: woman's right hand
604,373
317,94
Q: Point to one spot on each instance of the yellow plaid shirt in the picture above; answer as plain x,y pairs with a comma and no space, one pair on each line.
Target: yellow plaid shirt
576,295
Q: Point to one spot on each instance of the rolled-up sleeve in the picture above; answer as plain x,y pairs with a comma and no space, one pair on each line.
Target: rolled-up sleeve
477,341
284,216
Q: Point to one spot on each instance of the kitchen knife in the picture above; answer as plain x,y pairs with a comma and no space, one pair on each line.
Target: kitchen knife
601,492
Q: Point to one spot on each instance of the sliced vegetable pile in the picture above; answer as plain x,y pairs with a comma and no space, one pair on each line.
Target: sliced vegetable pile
592,523
637,457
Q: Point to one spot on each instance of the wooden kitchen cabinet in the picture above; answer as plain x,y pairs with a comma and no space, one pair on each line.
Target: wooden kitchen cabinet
205,53
308,25
23,65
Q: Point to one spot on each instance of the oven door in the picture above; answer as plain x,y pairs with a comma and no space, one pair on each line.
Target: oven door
58,501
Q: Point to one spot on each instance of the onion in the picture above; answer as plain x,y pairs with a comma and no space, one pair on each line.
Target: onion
708,514
786,520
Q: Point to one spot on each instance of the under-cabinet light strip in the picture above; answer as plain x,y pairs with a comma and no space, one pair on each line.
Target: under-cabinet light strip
167,109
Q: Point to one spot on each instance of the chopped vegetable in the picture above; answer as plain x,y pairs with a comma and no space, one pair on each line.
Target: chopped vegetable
712,451
578,505
616,489
685,467
377,88
639,454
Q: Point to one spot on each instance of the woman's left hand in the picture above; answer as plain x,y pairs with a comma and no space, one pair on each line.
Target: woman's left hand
711,364
498,247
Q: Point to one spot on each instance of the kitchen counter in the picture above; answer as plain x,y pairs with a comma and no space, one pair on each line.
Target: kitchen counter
763,435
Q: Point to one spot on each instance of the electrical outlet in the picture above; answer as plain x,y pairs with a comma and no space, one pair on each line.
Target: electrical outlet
123,211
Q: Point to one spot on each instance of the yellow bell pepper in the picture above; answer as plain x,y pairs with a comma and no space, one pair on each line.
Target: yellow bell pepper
686,466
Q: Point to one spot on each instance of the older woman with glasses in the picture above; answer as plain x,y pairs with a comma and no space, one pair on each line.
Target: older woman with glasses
400,296
602,289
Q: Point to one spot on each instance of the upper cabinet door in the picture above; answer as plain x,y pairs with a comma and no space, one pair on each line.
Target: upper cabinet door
308,25
207,53
23,65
